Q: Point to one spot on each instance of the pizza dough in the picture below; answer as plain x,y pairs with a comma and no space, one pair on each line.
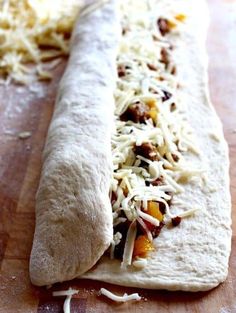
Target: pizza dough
194,256
73,210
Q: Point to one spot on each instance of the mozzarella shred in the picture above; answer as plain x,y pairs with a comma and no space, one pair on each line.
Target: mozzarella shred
152,136
188,213
129,245
33,31
124,298
68,293
140,263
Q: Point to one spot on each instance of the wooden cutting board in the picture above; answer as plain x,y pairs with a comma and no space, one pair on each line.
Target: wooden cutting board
30,109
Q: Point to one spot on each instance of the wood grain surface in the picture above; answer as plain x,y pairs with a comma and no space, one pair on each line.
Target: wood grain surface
30,109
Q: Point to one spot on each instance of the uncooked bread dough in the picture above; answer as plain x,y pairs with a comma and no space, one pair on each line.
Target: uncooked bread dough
73,210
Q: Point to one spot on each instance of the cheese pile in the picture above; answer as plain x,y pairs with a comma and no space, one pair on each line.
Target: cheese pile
33,31
146,77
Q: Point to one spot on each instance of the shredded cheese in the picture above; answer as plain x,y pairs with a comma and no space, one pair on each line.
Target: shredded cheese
147,79
148,218
124,298
139,263
129,245
189,213
24,135
33,31
68,293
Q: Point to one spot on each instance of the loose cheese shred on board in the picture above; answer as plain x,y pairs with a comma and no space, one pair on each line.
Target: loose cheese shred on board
68,293
124,298
151,137
33,31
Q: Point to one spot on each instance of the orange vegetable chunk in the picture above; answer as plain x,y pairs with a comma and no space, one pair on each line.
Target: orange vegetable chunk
154,210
